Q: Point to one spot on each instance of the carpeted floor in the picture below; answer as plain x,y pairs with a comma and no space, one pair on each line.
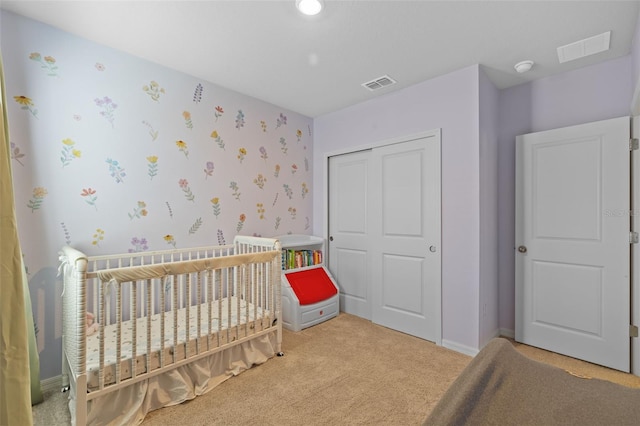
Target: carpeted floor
344,371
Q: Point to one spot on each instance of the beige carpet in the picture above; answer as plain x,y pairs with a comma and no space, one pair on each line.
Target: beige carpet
344,371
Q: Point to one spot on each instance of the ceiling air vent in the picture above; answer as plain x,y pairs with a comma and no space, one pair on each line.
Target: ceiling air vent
379,83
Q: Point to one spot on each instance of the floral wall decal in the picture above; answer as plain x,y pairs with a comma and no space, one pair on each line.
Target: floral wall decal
115,170
16,154
90,197
281,120
240,119
182,147
152,132
68,152
218,111
108,107
154,90
139,245
242,152
208,169
26,104
152,166
184,185
241,220
139,211
236,190
97,237
170,240
196,225
187,119
48,63
197,94
260,181
216,137
215,203
39,193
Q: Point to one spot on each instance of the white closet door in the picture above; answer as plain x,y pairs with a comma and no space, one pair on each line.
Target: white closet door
349,242
405,237
385,233
572,241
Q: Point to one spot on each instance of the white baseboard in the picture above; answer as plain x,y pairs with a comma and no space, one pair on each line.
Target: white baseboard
505,332
52,383
460,348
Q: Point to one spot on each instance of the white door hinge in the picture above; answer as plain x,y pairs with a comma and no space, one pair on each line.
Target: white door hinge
633,330
634,144
633,238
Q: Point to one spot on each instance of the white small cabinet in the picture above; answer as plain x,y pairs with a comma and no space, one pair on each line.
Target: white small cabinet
310,295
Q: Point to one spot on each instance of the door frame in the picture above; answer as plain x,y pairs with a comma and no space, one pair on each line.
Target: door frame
435,133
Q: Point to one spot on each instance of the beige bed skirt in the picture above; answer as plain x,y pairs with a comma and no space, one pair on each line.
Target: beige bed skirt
131,404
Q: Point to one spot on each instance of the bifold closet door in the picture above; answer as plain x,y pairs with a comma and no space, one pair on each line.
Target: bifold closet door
385,234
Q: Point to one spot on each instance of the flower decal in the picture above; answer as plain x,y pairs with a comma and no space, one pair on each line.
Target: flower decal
48,63
241,222
108,107
182,147
97,237
260,181
90,196
68,152
242,152
26,104
236,190
208,169
218,111
215,203
139,211
115,170
184,185
187,119
281,121
217,138
152,166
240,119
170,240
153,90
38,196
139,244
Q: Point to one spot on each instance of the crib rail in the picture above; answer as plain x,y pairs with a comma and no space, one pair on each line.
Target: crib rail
166,308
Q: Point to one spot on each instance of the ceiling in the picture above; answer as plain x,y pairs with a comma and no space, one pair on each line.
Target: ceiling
316,65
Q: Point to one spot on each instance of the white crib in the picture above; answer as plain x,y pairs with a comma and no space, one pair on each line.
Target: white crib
184,320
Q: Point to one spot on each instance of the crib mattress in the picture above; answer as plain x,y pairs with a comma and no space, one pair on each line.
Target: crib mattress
236,324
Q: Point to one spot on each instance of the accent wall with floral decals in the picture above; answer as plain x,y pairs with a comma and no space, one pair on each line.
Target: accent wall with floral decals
112,153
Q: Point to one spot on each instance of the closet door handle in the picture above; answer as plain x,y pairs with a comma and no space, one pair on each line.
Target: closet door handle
331,238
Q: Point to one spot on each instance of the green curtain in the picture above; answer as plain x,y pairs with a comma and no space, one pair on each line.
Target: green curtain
19,363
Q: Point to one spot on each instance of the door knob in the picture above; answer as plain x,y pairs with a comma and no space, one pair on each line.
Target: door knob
331,238
522,249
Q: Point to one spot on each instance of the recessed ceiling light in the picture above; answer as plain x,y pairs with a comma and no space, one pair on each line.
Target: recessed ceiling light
523,66
309,7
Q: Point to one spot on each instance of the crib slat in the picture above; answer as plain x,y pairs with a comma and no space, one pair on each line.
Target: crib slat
149,324
134,330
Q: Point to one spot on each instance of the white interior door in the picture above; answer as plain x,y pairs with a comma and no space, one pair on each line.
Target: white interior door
572,241
349,243
405,237
385,233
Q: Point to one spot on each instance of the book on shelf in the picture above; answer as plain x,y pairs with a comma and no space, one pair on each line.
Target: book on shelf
293,259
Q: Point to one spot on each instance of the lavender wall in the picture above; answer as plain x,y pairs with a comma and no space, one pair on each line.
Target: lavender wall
488,134
449,102
592,93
